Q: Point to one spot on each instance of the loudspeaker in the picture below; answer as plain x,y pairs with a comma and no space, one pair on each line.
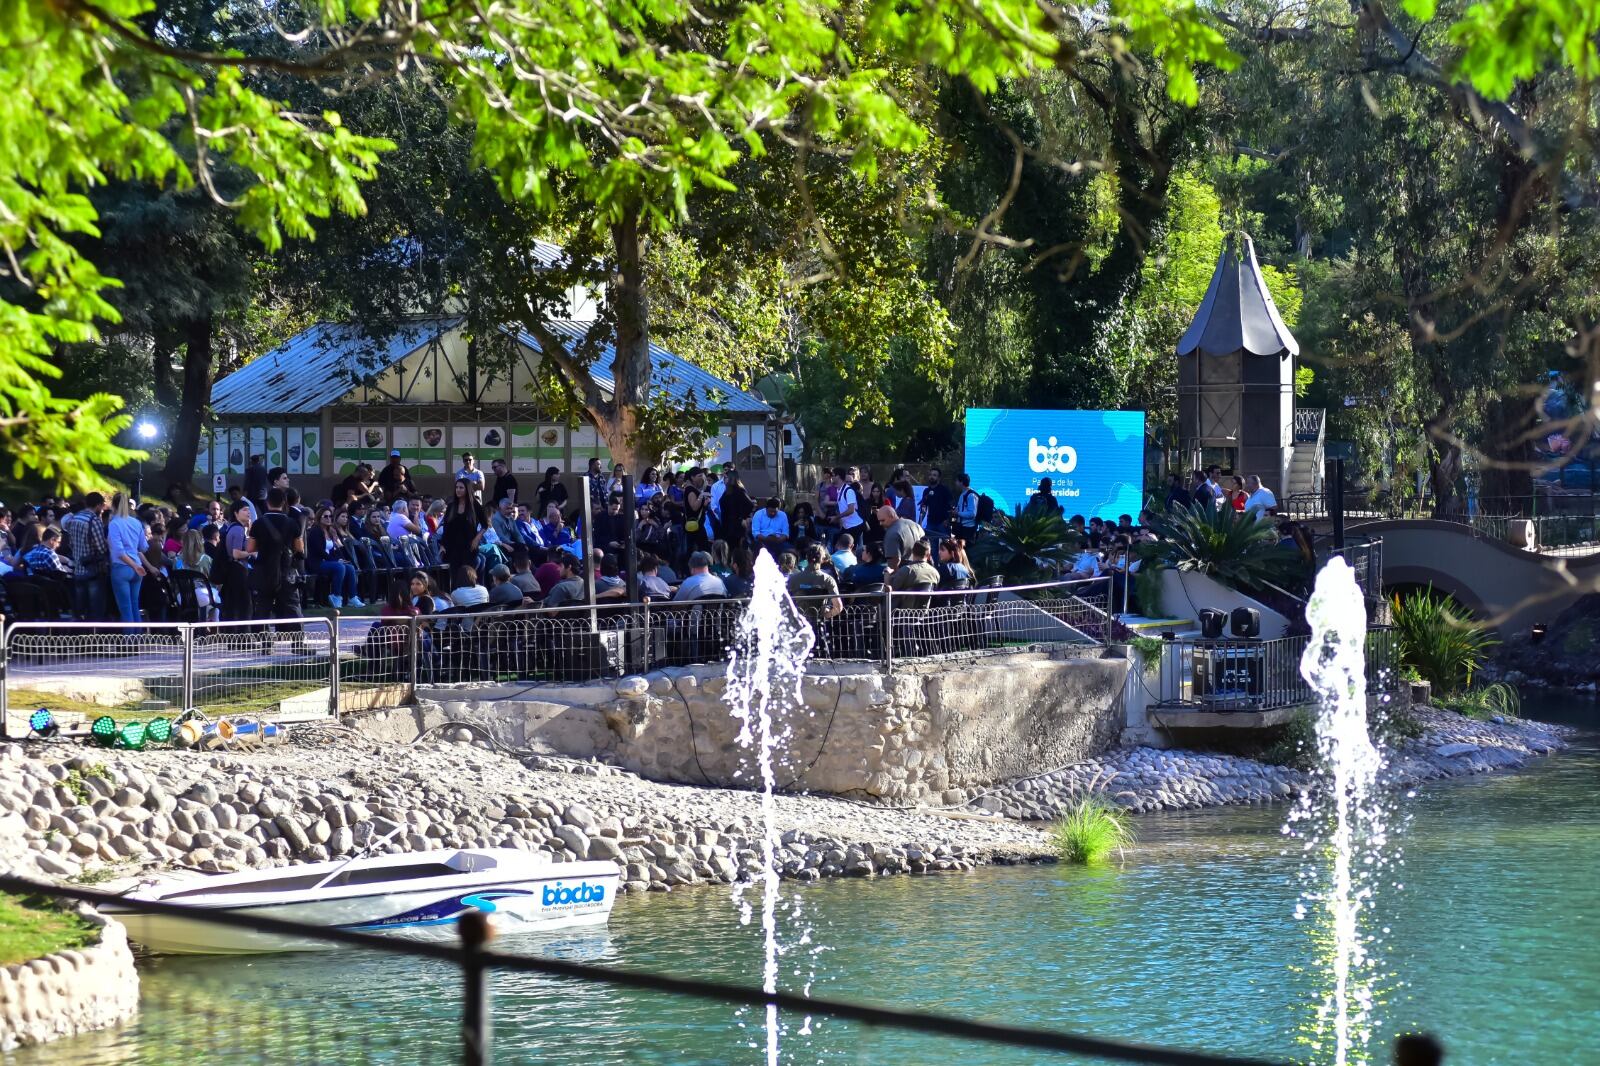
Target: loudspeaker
1245,622
1211,622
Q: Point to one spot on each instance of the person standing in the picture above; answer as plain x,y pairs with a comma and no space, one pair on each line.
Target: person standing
552,491
470,474
85,531
276,546
966,510
1261,502
255,480
126,541
395,479
505,484
464,524
733,519
934,508
850,516
597,487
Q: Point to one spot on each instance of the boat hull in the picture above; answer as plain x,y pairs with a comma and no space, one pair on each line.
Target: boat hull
554,900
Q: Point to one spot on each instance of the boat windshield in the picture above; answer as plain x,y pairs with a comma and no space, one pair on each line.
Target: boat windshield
367,875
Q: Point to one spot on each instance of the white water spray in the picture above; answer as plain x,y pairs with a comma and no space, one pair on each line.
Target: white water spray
765,669
1334,664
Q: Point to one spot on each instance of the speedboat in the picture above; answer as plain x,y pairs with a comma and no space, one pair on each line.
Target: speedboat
409,894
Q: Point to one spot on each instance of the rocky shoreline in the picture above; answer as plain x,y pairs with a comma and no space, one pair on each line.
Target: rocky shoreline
83,811
1150,779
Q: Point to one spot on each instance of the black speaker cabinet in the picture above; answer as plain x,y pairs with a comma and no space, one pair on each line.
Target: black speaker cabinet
1211,623
1245,622
1234,677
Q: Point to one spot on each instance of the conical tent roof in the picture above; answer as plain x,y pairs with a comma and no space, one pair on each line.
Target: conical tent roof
1237,312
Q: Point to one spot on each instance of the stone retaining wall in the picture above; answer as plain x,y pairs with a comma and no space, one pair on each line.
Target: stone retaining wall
69,992
926,732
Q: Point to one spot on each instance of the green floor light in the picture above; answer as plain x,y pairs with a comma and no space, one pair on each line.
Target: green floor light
131,736
104,731
158,731
43,723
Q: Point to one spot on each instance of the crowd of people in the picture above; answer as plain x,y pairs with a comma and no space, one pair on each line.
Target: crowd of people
264,553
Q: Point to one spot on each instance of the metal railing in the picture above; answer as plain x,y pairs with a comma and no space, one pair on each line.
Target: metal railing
259,1033
166,668
327,665
1366,563
1256,675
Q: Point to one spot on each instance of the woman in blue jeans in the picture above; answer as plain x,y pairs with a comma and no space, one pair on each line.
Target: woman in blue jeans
126,538
324,551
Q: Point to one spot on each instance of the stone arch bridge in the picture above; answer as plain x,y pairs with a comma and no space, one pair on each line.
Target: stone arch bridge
1508,587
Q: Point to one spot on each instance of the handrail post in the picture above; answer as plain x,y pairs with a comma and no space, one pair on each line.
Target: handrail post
413,645
333,665
477,1023
186,674
888,628
5,645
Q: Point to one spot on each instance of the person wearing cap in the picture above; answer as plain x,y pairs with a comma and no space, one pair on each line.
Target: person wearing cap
395,480
470,473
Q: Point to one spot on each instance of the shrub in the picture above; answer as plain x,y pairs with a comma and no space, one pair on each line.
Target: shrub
1440,642
1296,746
1026,546
1497,700
1089,832
1147,588
1232,546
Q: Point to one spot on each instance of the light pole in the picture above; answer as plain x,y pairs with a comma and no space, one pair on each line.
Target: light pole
146,430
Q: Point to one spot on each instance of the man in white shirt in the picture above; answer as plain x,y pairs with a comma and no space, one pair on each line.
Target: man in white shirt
850,518
718,488
1087,564
769,527
400,523
1261,500
470,473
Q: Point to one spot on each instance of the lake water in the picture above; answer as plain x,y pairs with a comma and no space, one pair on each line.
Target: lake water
1494,945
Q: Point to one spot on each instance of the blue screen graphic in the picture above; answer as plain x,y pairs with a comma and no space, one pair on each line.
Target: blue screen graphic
1094,459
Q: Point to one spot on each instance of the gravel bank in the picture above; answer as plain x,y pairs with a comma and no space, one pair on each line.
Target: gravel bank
1148,779
82,810
88,808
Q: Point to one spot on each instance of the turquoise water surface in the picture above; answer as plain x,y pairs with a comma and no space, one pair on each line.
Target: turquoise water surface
1494,945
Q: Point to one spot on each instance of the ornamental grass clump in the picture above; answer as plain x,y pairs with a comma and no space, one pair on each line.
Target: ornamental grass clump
1444,645
1090,831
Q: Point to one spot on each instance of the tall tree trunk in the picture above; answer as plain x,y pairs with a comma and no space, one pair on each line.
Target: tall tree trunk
164,343
198,360
1508,454
1444,464
618,421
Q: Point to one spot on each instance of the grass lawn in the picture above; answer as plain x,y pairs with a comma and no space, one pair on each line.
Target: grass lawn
249,701
31,927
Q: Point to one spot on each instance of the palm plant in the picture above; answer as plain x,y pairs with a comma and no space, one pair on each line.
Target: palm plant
1025,546
1444,645
1234,547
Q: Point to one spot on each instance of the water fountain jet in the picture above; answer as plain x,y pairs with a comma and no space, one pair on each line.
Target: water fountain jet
765,669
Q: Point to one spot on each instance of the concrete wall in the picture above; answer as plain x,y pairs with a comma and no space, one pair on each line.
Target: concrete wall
69,992
928,732
1185,593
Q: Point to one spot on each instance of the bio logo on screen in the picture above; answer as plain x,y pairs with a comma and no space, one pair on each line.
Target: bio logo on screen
1054,459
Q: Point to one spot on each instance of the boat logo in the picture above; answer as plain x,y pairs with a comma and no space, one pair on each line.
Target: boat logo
583,892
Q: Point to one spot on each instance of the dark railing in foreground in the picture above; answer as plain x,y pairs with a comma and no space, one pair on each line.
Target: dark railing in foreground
476,964
1256,675
369,662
